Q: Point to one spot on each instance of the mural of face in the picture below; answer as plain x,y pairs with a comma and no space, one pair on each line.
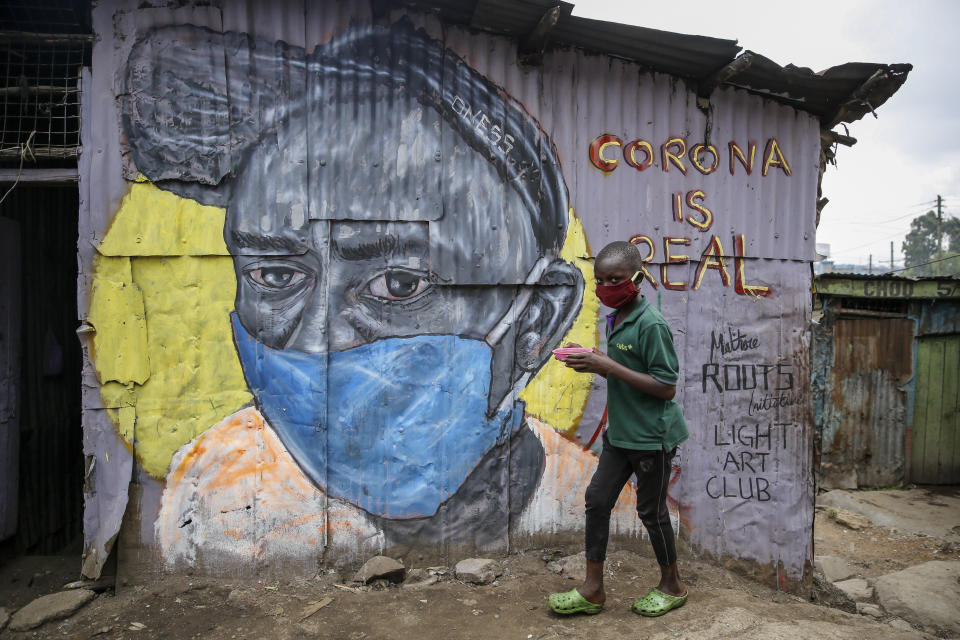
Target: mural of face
397,269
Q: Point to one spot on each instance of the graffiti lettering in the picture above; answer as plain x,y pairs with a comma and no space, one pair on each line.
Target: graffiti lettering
887,289
674,151
736,340
755,436
751,450
768,401
746,377
712,257
749,488
494,132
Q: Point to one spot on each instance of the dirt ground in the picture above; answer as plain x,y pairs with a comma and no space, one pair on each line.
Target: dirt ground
722,604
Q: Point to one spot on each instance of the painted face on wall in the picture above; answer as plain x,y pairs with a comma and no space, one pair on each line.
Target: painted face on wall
397,270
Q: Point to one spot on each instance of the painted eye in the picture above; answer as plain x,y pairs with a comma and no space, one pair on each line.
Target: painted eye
398,285
276,277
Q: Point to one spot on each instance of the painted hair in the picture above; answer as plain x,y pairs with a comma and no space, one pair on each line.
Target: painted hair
197,102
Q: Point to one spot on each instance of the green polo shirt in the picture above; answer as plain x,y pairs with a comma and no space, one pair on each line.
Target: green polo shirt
635,420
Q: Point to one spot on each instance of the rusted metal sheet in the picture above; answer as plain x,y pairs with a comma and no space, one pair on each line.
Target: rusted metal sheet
889,287
864,425
939,318
409,217
10,345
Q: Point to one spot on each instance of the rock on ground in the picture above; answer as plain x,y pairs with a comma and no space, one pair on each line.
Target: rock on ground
869,609
380,568
827,594
573,567
478,570
4,618
417,578
851,520
51,607
901,624
833,568
242,598
856,588
927,594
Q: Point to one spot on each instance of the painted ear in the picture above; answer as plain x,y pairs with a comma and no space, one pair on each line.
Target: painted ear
196,100
549,315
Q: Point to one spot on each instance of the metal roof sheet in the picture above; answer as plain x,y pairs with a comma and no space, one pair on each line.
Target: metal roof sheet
844,93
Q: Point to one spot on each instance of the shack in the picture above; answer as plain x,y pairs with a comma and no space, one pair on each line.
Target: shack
326,248
886,380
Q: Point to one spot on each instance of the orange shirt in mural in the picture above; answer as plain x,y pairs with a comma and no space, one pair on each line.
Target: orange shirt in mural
235,493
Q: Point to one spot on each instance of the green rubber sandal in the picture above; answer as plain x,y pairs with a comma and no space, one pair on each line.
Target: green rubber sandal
656,603
572,602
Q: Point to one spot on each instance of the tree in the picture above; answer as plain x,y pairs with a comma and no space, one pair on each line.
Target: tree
920,246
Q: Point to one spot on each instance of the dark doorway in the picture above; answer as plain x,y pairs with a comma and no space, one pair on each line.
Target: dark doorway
49,454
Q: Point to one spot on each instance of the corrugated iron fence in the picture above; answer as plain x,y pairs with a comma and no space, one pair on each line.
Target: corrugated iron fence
886,367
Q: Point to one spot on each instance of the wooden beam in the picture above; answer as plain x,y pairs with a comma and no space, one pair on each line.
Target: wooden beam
40,176
724,74
29,36
831,137
533,44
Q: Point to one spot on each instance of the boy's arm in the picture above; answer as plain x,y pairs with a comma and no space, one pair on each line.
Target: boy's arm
605,366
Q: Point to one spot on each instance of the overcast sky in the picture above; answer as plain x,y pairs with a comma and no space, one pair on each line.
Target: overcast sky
905,157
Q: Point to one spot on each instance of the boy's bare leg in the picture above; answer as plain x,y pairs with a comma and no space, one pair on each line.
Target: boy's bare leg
670,582
592,587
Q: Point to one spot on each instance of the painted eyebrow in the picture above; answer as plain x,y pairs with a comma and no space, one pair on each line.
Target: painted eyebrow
383,247
267,244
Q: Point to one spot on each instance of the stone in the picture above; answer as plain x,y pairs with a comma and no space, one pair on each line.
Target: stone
242,598
927,594
380,568
856,588
478,570
50,607
869,609
851,520
418,578
572,567
834,569
4,618
901,624
825,593
419,584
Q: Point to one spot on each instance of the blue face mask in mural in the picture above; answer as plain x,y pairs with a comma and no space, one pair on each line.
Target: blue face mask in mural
406,420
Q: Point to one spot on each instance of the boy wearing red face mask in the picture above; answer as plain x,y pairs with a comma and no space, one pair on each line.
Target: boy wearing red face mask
645,426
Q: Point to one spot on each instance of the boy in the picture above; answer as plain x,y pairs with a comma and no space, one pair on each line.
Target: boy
644,428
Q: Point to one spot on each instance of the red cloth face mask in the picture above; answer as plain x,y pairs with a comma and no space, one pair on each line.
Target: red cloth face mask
617,295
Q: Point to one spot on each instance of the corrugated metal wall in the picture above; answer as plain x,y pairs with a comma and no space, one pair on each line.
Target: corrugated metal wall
885,381
311,187
864,436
